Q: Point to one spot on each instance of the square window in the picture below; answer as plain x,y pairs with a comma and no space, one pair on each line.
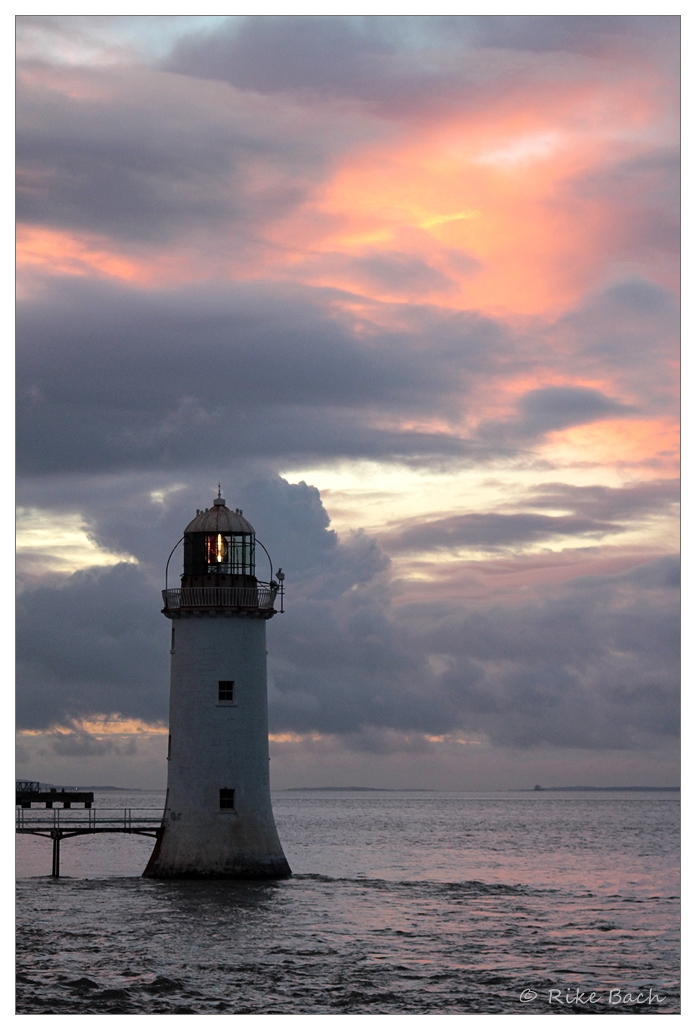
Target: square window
225,690
226,798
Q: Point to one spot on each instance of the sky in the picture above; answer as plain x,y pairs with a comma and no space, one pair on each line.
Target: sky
407,287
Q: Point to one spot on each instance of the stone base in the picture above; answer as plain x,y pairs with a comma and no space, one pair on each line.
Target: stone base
234,867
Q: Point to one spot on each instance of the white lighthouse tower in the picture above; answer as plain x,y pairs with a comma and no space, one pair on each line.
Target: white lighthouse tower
218,820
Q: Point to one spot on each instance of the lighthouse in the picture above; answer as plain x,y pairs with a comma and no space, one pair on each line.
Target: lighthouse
218,820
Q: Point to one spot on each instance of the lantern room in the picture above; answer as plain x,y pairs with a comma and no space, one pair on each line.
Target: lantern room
219,549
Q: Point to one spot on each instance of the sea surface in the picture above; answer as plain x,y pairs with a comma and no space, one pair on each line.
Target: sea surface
399,903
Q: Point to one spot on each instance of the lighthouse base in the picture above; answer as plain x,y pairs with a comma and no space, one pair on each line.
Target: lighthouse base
198,856
242,867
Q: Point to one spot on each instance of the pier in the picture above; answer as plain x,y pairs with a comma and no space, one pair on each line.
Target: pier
57,823
29,792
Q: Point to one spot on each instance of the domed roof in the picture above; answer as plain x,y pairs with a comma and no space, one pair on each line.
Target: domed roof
219,519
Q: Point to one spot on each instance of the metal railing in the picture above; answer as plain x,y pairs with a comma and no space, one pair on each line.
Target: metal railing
87,818
261,596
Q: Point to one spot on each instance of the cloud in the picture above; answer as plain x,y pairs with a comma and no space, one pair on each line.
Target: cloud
590,663
549,409
111,378
402,65
108,650
271,243
594,512
639,198
397,273
93,643
629,502
284,53
584,34
80,744
491,531
593,663
144,157
631,331
557,407
103,40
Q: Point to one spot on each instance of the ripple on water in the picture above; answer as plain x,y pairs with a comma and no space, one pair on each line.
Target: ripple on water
391,940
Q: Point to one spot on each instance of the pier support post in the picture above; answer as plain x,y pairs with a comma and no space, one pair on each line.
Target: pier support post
55,869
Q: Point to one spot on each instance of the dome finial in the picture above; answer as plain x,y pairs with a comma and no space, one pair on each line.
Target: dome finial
219,490
219,501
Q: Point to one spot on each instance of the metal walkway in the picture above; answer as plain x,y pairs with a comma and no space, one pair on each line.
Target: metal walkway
58,824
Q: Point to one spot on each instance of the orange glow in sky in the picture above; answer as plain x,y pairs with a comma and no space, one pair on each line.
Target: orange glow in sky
55,252
487,202
477,212
651,444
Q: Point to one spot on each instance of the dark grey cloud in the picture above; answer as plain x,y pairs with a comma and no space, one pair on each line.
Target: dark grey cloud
396,272
616,504
551,408
592,663
633,329
491,531
271,54
96,643
593,512
579,34
116,379
403,66
559,407
147,157
79,744
642,198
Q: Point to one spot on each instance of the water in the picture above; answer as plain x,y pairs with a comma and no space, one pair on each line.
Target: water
399,903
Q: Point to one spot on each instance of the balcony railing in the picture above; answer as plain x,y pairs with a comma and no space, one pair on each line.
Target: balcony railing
261,596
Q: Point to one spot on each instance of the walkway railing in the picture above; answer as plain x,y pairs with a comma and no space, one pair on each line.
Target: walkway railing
261,596
69,819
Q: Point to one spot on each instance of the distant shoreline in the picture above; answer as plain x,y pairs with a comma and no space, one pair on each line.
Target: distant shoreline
539,790
378,790
429,790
